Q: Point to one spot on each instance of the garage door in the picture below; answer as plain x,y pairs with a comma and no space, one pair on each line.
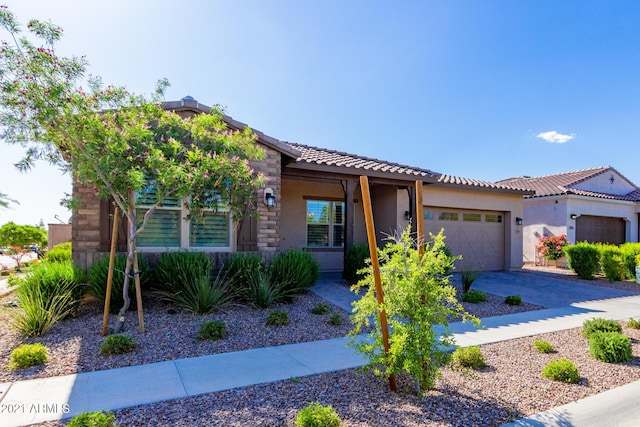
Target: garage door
601,229
476,235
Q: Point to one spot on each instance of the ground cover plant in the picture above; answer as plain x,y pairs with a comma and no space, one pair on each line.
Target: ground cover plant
321,309
213,330
27,355
117,344
317,415
468,357
474,297
93,419
277,318
633,323
543,346
513,300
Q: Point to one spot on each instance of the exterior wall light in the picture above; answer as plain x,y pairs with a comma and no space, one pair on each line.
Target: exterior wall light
269,198
407,215
518,220
573,216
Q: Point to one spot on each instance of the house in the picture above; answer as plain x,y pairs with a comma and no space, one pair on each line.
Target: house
594,205
312,200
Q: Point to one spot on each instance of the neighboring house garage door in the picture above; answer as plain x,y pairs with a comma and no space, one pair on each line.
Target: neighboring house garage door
476,235
602,229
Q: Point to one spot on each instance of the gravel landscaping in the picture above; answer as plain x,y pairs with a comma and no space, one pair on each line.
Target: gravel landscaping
510,387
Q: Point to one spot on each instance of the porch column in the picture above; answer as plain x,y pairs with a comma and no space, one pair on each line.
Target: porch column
349,211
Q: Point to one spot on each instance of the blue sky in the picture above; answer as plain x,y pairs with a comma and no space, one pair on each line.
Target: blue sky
481,89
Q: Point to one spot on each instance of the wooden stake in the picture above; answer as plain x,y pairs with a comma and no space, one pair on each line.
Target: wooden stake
112,256
419,219
136,275
373,251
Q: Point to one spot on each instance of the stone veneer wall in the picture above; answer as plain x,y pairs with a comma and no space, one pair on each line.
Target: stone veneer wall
85,232
268,234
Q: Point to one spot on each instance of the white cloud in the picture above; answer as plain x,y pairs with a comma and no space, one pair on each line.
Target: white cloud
555,137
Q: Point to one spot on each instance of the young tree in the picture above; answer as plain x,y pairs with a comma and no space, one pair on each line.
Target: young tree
122,144
419,301
17,237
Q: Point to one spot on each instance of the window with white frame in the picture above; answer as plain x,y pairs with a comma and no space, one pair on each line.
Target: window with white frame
168,228
325,224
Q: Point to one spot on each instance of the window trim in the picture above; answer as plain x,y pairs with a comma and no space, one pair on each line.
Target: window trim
332,202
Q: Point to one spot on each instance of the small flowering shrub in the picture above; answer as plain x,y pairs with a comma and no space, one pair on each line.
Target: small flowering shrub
552,248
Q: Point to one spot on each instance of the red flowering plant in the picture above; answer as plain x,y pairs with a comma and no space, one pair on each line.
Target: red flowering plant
552,248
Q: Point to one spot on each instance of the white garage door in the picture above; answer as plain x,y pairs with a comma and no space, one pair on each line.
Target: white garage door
476,235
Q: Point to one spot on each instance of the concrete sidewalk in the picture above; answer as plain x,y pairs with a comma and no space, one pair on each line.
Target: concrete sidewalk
33,401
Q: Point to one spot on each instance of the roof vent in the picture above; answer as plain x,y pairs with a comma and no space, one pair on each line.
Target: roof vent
188,98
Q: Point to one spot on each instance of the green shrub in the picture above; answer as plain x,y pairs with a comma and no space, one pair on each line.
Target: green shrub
468,357
335,319
474,297
59,253
468,276
600,325
260,289
543,346
294,271
513,300
93,419
316,415
173,268
321,308
633,324
610,347
584,259
27,355
117,344
97,277
611,262
355,259
240,267
561,370
213,330
198,293
278,318
629,253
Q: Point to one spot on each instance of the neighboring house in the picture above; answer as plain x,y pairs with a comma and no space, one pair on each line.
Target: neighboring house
594,205
318,207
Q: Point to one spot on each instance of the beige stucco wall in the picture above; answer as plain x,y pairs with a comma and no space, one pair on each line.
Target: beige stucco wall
58,233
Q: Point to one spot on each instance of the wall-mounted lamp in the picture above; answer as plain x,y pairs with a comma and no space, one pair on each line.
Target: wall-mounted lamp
269,198
573,216
518,220
407,215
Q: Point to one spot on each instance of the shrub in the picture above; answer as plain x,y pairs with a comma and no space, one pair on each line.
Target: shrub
173,268
599,325
552,247
117,344
321,308
543,346
633,324
93,419
214,330
468,357
278,318
294,271
240,267
583,258
561,370
97,277
27,355
198,293
260,290
611,261
335,319
355,259
316,415
610,347
513,300
60,253
468,277
629,253
474,297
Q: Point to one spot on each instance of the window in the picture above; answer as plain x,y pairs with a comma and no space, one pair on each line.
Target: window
471,217
448,216
167,227
492,218
427,214
325,224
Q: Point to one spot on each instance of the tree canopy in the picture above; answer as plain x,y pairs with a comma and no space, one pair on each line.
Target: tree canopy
12,234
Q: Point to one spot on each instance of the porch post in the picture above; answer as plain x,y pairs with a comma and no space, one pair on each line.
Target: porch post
349,212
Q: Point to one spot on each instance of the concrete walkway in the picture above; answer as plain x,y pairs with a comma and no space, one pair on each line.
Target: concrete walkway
33,401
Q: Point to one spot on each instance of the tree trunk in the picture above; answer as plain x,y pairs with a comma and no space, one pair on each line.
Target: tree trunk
131,253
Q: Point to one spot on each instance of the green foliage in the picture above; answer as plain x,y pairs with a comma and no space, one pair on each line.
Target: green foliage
599,324
611,262
27,355
335,319
562,370
97,277
60,253
543,346
173,268
241,266
418,298
610,347
629,253
93,419
474,297
260,289
551,247
316,415
633,323
278,318
584,259
199,294
5,200
355,259
321,308
12,234
294,271
213,330
468,357
513,300
117,344
468,276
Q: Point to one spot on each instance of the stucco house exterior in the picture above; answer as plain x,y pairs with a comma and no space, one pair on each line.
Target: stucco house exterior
317,206
594,205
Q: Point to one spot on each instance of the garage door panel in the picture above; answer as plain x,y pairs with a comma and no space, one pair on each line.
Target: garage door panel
600,229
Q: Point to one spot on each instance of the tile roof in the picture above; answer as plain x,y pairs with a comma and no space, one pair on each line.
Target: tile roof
456,180
562,183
